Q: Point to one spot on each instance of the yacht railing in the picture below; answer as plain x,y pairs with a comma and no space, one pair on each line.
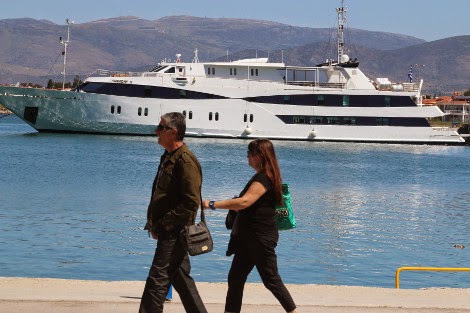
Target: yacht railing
397,87
304,77
107,73
410,87
316,84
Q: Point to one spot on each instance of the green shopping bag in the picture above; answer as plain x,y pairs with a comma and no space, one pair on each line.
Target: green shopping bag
284,215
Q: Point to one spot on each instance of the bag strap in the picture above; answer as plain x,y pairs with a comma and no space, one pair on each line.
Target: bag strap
196,162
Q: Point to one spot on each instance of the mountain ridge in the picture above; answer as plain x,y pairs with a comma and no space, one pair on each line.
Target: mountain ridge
31,51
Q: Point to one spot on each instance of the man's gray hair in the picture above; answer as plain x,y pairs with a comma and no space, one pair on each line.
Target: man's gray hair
178,121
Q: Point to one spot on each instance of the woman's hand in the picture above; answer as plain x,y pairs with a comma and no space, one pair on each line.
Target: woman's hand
205,204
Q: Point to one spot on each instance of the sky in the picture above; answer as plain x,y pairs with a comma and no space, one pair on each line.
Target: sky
426,19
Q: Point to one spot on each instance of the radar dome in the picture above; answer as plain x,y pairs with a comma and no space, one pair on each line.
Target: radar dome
344,58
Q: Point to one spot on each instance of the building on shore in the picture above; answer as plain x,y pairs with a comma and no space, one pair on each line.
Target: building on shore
455,107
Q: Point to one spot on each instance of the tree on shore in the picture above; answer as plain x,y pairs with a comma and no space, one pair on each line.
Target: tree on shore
30,85
68,85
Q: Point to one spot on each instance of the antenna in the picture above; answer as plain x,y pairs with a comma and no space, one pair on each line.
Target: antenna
196,58
65,43
341,20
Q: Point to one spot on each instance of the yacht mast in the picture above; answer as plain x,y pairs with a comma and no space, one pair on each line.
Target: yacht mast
65,43
341,20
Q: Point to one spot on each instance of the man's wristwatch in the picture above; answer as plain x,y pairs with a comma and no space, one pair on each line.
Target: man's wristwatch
211,205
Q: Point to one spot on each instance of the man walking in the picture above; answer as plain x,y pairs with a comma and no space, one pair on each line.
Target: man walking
174,204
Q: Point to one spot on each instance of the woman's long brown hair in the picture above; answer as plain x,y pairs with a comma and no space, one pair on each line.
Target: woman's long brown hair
270,166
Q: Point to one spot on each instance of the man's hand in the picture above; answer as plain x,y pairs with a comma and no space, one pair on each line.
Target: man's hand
154,236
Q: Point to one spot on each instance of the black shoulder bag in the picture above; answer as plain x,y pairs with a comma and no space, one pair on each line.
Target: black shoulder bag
197,238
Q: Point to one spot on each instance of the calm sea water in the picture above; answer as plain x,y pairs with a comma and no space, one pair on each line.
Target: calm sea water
73,206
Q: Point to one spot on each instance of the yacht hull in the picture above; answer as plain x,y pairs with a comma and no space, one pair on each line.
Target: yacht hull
76,112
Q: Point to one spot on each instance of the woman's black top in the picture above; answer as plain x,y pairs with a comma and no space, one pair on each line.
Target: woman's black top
258,219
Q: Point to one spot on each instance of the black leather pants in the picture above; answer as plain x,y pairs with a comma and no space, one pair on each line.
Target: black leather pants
170,266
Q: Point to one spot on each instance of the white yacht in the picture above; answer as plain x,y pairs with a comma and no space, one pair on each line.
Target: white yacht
249,98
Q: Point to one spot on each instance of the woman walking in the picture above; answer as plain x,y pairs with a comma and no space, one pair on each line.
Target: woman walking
254,232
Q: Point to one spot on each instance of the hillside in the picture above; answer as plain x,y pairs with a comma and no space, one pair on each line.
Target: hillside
31,51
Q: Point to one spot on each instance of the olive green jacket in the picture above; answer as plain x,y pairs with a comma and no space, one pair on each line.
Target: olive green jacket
177,196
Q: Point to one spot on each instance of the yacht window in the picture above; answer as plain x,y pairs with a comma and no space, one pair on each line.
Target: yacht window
234,71
119,109
92,87
161,69
139,112
208,71
216,116
147,92
170,70
183,94
210,116
190,115
383,121
345,100
254,72
286,99
146,112
245,118
157,68
231,71
321,100
184,112
388,101
213,71
112,109
251,118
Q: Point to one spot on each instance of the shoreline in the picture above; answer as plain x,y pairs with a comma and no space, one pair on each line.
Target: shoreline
114,296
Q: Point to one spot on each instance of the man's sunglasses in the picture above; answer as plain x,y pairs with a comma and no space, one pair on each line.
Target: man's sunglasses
161,127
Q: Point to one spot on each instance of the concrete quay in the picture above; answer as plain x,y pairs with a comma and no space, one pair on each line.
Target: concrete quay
41,295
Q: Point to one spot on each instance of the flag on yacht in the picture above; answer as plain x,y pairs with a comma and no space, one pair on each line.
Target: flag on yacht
410,74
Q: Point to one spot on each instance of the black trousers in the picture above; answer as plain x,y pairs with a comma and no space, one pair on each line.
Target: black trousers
251,253
170,266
